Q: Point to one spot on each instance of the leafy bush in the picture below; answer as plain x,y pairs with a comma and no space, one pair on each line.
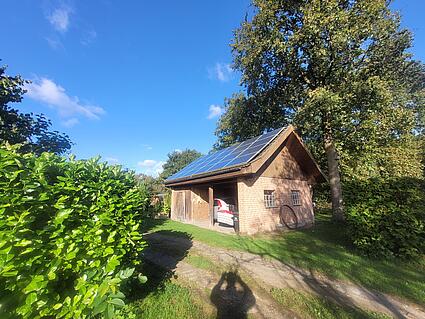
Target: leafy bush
386,217
167,202
69,235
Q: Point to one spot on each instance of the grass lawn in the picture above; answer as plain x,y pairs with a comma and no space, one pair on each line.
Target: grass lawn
309,306
170,301
161,297
323,248
202,263
304,304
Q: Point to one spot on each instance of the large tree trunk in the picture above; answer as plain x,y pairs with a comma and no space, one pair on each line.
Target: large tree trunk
334,178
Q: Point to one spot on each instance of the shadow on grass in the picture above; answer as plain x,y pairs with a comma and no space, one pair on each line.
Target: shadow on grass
159,262
323,248
326,248
232,297
150,223
312,306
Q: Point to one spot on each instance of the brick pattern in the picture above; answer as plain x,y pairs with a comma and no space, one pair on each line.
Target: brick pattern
282,175
255,217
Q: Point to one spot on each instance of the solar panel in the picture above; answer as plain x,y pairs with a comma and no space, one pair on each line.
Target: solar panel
234,155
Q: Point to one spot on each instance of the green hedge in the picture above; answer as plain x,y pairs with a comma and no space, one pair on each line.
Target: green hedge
386,217
69,235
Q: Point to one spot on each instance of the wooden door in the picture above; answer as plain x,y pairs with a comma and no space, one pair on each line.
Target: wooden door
188,205
179,208
183,206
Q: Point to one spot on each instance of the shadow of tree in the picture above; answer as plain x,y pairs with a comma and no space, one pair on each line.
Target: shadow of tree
158,264
232,297
148,224
325,248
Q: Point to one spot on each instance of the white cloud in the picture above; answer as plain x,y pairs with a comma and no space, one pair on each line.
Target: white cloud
221,71
215,111
55,44
147,163
88,37
112,160
147,146
178,150
46,91
151,167
71,122
59,18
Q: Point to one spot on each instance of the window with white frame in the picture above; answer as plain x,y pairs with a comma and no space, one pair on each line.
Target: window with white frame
269,199
295,197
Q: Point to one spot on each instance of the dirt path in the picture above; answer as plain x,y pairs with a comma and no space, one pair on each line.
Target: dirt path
237,301
272,273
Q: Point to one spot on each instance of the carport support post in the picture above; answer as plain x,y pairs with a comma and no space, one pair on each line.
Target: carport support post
211,204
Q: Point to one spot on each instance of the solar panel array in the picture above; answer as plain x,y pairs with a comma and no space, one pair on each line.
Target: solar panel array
234,155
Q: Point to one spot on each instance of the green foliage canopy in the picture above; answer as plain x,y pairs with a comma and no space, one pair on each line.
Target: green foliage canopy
177,160
31,131
69,235
153,185
386,217
335,65
338,62
340,71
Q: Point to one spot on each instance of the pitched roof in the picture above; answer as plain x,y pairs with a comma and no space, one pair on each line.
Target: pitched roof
236,158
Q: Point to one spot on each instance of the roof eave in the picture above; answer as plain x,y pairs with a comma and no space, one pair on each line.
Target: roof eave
252,166
213,174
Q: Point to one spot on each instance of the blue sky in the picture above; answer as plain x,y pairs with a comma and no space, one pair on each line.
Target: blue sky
134,80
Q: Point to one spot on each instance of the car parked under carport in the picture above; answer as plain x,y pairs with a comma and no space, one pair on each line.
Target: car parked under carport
268,176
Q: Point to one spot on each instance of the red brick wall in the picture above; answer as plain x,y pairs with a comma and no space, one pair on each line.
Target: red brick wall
282,176
253,214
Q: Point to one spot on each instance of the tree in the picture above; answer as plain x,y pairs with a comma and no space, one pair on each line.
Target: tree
178,160
29,130
338,69
153,185
243,119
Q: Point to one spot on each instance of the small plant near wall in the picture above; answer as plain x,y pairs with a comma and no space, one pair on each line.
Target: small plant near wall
167,202
69,236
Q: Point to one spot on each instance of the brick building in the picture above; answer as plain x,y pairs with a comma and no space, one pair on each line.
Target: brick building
269,178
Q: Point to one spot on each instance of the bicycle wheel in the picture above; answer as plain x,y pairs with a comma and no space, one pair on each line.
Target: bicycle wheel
288,217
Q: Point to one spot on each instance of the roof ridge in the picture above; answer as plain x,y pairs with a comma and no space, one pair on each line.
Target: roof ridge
210,163
250,138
